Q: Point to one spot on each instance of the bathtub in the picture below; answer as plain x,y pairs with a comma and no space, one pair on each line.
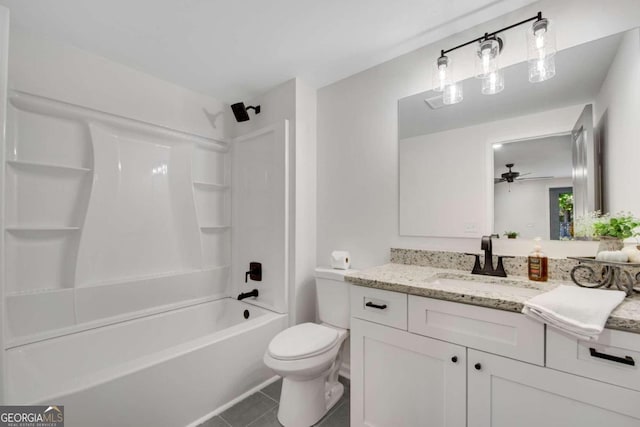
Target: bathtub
170,369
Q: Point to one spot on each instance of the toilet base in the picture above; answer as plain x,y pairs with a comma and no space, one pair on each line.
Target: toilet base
303,403
333,394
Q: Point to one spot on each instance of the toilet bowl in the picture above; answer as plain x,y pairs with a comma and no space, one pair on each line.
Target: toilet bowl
308,356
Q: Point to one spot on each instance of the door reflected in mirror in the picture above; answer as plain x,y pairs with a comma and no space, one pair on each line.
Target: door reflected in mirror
530,177
542,183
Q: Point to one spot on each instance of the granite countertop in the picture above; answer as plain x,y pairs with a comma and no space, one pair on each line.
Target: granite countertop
507,294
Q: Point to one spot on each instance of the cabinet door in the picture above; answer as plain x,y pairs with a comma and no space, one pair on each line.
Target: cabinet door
401,379
505,393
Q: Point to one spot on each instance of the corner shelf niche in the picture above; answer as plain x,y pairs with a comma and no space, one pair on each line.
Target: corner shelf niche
215,227
47,185
40,165
210,186
210,177
38,229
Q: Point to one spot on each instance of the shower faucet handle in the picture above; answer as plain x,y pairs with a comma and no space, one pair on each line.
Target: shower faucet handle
254,273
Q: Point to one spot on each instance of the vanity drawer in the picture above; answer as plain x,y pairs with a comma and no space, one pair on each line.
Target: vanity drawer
494,331
592,359
384,307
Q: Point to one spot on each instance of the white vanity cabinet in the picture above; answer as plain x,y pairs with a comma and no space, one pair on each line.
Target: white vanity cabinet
452,364
403,379
503,392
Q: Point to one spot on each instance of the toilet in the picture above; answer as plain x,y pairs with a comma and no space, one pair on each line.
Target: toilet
308,356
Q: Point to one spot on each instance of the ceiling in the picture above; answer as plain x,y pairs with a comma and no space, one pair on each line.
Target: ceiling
573,84
541,157
234,49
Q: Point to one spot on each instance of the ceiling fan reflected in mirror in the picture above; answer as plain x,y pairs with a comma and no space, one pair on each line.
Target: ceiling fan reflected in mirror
512,176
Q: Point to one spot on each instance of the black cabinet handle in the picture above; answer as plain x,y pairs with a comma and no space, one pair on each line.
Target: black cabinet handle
477,366
454,359
627,360
378,306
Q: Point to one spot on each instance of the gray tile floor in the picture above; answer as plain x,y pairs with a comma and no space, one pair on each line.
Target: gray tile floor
261,410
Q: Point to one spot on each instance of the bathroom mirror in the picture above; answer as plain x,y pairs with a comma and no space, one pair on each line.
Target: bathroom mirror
567,139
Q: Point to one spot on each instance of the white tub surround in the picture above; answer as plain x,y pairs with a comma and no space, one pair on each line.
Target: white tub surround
116,217
261,214
294,102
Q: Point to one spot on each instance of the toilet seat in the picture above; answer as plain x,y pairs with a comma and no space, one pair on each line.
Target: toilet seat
302,341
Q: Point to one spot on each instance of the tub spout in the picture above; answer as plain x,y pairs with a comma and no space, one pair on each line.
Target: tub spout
253,293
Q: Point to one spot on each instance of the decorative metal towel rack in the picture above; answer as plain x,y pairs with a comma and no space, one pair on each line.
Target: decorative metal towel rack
591,273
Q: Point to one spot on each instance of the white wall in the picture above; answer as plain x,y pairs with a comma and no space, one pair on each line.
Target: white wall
619,99
357,133
295,101
305,182
54,70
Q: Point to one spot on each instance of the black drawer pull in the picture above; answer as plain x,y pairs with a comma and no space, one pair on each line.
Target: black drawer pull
378,306
454,359
627,360
478,366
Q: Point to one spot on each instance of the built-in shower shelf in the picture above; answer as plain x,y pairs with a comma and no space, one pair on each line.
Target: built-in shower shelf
39,291
210,185
40,228
214,227
39,165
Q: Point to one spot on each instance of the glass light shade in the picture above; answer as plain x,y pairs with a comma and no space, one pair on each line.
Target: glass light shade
493,83
452,94
541,41
541,50
542,69
442,76
487,58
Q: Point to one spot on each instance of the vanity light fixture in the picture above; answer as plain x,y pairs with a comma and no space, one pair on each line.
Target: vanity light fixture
541,50
540,53
443,82
488,67
487,57
443,76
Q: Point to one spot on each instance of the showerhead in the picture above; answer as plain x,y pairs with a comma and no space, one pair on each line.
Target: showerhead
240,111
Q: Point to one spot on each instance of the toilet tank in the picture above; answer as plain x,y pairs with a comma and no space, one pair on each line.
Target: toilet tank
333,297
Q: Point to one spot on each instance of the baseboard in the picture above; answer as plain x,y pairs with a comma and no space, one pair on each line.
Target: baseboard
233,402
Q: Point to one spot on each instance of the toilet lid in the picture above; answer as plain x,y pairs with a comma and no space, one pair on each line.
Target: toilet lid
300,341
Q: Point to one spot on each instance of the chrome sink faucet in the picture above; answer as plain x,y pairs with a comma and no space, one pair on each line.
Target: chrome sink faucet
488,270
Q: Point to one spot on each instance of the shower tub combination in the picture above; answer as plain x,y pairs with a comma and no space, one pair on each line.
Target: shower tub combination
171,369
119,275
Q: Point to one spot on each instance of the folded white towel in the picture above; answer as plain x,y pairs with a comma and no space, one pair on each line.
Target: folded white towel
580,312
